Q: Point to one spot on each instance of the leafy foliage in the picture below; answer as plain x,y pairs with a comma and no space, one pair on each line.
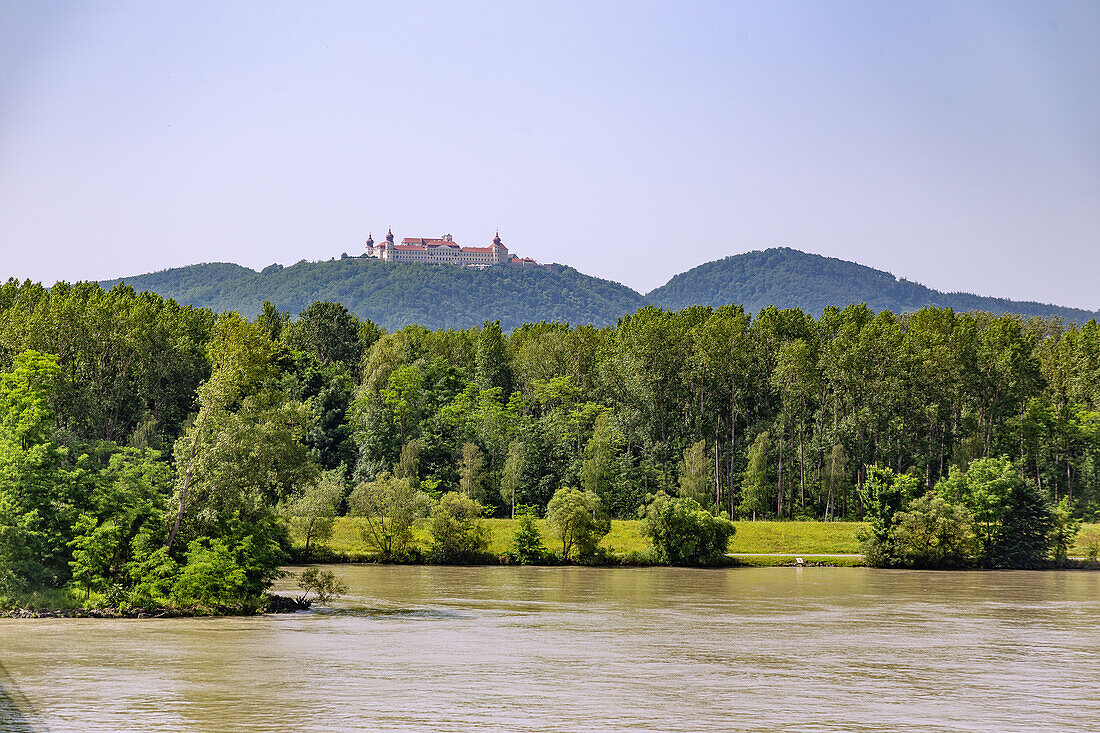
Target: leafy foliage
152,453
578,519
1063,531
786,278
313,509
391,510
932,533
1010,518
527,547
885,495
321,583
683,533
211,577
696,481
458,534
394,295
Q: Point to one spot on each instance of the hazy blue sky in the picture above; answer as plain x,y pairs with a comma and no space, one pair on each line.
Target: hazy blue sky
956,143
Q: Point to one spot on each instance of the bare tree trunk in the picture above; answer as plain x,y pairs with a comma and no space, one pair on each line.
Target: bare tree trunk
733,451
779,493
186,482
717,473
802,464
183,503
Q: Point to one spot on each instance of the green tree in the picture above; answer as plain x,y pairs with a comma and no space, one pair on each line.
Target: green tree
391,510
312,509
527,547
211,577
408,467
322,583
755,487
644,373
26,416
124,516
1011,518
493,369
797,382
458,533
724,357
329,390
329,332
511,476
683,533
244,453
471,472
597,466
579,521
932,534
1063,530
696,480
402,396
36,502
885,495
272,321
835,479
152,575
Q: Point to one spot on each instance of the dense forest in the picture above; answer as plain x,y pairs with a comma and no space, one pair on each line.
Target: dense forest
440,296
787,278
397,294
151,451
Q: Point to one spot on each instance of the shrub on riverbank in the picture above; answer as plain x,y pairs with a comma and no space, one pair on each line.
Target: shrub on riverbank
683,533
579,521
458,533
986,514
527,547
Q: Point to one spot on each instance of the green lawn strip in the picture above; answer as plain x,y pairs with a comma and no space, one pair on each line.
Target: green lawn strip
825,538
792,538
784,537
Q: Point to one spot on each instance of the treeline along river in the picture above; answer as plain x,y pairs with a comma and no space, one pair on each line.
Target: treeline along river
150,452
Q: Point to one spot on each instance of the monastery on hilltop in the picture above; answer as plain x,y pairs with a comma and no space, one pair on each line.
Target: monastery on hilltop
444,251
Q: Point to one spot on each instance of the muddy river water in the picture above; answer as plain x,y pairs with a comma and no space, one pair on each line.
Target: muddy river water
587,649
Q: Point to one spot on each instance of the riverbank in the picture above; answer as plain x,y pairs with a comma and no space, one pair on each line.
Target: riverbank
270,603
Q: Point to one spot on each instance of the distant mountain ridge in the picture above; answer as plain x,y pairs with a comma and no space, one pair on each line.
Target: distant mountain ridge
788,278
444,296
394,295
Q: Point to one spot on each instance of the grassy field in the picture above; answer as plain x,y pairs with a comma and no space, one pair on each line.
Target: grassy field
793,538
752,537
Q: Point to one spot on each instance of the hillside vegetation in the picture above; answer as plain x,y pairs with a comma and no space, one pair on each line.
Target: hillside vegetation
787,278
440,296
396,295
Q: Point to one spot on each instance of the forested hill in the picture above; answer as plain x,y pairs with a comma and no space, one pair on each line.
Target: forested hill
439,296
787,278
395,295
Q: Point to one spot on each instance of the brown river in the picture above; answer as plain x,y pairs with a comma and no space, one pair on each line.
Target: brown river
584,649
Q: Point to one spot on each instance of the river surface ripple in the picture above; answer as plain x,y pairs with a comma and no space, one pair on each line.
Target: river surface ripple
587,649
